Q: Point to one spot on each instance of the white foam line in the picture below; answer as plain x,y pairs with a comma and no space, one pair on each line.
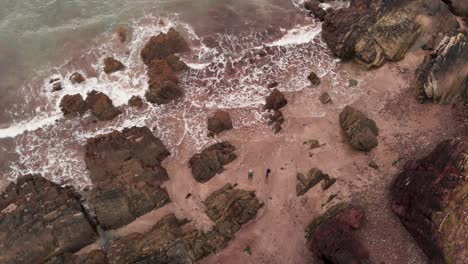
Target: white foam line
300,35
31,125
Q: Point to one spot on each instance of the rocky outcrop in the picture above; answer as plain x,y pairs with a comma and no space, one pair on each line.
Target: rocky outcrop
219,122
76,77
458,7
135,101
112,65
443,75
372,32
172,241
331,236
305,183
163,83
163,45
73,105
101,106
211,161
39,219
360,131
315,9
125,168
275,101
430,198
276,120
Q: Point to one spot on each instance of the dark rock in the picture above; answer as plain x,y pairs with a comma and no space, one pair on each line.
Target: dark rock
163,83
276,120
57,87
219,122
373,165
429,197
135,101
112,65
325,98
211,161
315,10
313,78
444,73
175,63
328,182
272,85
305,183
121,34
331,236
172,241
39,219
76,77
101,106
93,257
275,101
73,105
163,45
458,7
360,131
125,168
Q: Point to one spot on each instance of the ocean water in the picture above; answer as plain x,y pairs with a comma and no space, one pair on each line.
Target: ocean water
44,40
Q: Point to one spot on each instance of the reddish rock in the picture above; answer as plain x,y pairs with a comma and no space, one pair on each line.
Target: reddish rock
332,239
175,63
101,106
429,197
73,105
219,122
163,83
76,77
275,101
163,45
211,161
112,65
135,101
315,10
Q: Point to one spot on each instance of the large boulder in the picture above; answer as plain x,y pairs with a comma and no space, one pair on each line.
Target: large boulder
430,198
112,65
76,77
125,168
219,122
332,238
39,219
101,106
163,45
275,101
360,131
444,73
372,32
163,83
211,161
172,241
73,105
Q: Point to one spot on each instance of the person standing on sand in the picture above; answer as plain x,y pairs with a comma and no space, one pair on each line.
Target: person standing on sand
251,174
268,171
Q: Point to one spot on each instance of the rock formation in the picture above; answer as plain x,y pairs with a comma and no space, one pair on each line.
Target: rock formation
163,83
163,45
76,77
325,98
101,106
360,131
444,73
219,122
331,236
211,161
276,120
458,7
125,168
305,183
275,101
39,220
135,101
112,65
171,241
430,198
73,105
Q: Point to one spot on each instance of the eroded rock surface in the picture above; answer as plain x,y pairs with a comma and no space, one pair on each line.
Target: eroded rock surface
211,161
360,131
76,77
275,101
305,183
96,256
430,198
163,83
444,73
219,122
112,65
331,236
39,219
163,45
73,105
125,168
101,106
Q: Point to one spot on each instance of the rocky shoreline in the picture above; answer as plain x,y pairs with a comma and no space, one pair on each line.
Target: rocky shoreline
133,174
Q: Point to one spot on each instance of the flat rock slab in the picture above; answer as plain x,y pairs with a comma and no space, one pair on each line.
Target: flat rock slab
39,219
305,183
211,161
125,168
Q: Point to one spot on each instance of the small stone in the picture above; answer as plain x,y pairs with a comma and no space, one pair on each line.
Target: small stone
57,86
76,77
135,101
272,85
112,65
314,79
325,98
373,165
352,82
121,34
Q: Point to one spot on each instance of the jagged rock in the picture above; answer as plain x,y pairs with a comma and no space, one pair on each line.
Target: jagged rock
444,73
211,161
331,236
163,83
315,9
458,7
175,63
219,122
101,106
76,77
125,168
171,241
372,32
305,183
313,78
328,182
276,120
430,198
360,131
325,98
135,101
275,101
57,87
112,65
39,219
163,45
93,257
73,105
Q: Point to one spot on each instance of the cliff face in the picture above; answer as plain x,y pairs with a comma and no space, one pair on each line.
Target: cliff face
430,198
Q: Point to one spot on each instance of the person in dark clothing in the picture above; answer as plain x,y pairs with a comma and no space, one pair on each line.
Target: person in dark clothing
268,171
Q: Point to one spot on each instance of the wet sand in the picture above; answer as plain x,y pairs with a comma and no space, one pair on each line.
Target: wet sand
408,130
